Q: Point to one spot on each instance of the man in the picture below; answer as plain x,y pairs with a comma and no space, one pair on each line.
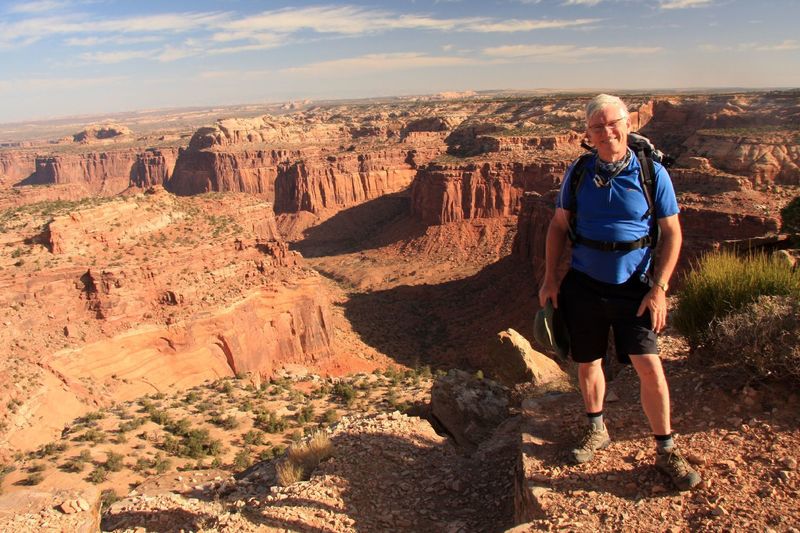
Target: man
618,289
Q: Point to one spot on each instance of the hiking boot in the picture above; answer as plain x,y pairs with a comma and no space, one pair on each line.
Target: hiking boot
678,469
594,439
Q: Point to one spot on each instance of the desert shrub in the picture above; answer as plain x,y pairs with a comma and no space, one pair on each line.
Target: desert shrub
33,479
159,416
92,435
306,414
129,425
331,416
51,449
114,462
225,422
74,465
302,458
253,437
343,392
108,497
763,336
242,459
181,427
288,473
270,422
790,217
722,283
192,396
98,475
161,464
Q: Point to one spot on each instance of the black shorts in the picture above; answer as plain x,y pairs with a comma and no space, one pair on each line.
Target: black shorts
591,307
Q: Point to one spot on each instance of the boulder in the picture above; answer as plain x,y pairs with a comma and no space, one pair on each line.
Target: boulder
469,407
515,361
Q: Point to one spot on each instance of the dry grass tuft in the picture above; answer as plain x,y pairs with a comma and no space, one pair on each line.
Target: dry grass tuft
303,458
288,473
762,336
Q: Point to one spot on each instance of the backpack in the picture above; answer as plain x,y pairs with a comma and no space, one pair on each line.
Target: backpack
646,153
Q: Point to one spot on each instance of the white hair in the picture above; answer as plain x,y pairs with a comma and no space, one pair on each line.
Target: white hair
601,101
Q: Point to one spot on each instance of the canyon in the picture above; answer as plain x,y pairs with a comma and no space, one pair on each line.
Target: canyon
343,237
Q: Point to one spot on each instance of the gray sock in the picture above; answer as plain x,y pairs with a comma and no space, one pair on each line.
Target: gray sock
596,420
664,443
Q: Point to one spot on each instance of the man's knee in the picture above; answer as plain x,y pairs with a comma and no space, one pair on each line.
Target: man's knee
649,369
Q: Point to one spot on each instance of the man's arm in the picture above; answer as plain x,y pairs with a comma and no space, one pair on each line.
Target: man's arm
554,248
666,259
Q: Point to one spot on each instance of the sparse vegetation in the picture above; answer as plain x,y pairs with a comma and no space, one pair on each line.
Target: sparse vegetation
762,336
303,458
722,283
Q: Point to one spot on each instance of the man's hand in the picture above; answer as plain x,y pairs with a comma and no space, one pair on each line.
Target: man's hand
548,291
656,301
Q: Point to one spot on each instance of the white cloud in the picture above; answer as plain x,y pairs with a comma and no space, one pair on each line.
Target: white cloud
118,40
581,2
526,25
558,52
682,4
378,62
107,58
786,45
353,20
37,6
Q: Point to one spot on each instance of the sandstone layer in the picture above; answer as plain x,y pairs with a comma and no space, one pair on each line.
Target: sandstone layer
119,298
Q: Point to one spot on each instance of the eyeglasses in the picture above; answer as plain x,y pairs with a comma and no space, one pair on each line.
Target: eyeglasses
613,125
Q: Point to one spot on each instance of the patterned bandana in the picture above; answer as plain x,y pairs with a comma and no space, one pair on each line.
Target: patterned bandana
605,172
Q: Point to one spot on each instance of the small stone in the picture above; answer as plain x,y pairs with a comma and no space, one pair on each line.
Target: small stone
719,511
784,475
611,396
83,504
790,463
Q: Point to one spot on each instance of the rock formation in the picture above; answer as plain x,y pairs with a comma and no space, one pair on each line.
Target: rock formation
470,408
132,296
307,163
515,361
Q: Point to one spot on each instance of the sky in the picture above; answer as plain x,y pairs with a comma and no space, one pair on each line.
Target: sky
69,57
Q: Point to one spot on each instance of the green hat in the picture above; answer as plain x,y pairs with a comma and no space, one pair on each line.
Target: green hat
550,331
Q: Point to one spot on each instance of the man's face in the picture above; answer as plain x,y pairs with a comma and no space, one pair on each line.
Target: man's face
608,132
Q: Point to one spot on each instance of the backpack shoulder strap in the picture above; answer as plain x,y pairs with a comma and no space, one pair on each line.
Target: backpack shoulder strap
575,181
647,180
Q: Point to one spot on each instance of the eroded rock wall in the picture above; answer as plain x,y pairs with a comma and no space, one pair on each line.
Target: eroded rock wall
443,193
107,173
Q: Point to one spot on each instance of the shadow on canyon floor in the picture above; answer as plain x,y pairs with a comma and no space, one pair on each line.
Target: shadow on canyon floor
448,324
373,224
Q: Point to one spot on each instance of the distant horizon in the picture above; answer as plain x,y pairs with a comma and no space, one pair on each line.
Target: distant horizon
323,101
66,58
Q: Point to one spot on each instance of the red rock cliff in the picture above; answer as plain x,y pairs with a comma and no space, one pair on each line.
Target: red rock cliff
107,173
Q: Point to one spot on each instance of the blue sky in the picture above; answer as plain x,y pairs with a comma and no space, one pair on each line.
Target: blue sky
66,57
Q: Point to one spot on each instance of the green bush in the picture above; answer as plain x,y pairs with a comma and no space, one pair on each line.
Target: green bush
114,462
722,283
242,459
343,392
98,475
790,217
761,337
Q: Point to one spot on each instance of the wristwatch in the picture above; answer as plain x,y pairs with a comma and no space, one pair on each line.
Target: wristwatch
661,284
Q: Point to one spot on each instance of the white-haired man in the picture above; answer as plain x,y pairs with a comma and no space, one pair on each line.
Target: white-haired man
612,283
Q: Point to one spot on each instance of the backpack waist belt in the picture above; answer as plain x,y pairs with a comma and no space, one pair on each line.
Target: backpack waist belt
611,246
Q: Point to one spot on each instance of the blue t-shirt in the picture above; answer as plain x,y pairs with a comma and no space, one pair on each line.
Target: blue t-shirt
614,213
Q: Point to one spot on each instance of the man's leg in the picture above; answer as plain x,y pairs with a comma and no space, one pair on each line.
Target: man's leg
593,388
655,402
654,392
593,385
